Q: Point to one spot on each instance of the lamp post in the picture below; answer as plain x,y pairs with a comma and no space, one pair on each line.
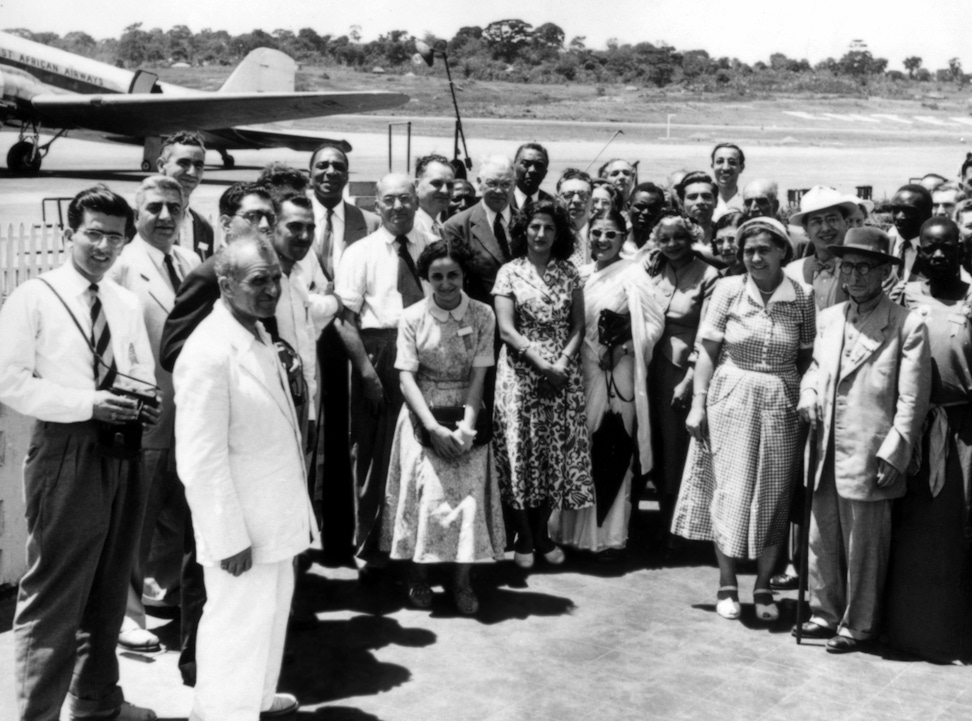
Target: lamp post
427,53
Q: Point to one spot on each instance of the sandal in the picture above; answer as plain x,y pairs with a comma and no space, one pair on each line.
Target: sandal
765,611
420,594
727,603
466,601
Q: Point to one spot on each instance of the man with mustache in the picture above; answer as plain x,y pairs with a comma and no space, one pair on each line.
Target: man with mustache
152,266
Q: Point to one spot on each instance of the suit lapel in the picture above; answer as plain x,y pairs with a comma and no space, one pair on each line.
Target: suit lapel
277,391
355,227
482,233
156,287
870,338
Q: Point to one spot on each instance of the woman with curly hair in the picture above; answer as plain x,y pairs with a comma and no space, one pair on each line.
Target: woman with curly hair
684,284
540,424
442,499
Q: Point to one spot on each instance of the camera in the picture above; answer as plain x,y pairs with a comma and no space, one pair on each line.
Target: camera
124,440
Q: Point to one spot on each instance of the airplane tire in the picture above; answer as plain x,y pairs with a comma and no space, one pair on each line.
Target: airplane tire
146,166
21,158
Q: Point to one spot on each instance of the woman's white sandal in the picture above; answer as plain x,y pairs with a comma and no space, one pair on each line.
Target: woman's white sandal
728,606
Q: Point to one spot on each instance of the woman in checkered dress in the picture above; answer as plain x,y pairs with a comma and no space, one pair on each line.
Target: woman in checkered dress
756,340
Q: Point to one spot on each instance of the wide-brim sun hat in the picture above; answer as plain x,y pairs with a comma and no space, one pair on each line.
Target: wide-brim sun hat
820,197
870,242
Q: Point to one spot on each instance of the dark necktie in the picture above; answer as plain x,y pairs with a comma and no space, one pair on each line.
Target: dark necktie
326,258
408,281
499,232
174,278
104,361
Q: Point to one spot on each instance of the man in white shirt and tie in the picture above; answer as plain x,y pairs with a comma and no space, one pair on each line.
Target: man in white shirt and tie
152,266
70,337
376,281
434,180
911,206
530,166
338,225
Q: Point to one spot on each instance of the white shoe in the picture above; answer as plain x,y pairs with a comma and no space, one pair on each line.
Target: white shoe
131,712
283,705
138,639
729,607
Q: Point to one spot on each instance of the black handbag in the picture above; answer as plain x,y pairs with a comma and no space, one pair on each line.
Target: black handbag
613,329
449,416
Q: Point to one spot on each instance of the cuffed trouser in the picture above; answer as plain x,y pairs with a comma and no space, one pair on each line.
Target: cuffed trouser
158,559
240,643
850,545
83,520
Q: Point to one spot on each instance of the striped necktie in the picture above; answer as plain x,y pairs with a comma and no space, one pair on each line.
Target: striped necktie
105,369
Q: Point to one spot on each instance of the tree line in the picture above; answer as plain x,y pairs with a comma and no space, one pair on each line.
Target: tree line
511,50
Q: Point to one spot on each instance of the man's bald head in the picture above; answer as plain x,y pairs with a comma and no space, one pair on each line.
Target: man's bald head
761,199
396,202
495,181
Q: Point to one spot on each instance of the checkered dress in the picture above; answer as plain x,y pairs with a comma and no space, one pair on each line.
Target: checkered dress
739,494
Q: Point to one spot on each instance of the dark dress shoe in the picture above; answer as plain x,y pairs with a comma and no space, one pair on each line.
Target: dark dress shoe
809,629
842,644
784,582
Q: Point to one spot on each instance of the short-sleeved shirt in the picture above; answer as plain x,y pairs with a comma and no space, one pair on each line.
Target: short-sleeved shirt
764,338
683,293
443,345
367,279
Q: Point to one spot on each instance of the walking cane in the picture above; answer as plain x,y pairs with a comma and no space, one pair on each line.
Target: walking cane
805,531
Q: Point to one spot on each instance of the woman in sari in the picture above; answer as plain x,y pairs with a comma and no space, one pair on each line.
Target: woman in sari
615,366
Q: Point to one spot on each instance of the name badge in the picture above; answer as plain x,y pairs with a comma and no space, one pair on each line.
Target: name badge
956,318
464,331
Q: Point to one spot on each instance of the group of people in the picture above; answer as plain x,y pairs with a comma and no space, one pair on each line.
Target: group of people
477,369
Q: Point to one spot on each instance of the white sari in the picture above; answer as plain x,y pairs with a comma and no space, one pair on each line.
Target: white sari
621,287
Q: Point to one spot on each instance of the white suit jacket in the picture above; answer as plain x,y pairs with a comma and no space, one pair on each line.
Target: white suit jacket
136,271
238,446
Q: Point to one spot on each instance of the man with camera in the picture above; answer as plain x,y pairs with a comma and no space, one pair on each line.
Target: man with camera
76,357
152,266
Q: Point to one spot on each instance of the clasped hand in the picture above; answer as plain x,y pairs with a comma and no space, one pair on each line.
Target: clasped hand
111,408
554,378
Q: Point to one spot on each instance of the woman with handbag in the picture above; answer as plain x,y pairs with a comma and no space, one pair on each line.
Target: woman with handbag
442,498
624,321
542,447
755,342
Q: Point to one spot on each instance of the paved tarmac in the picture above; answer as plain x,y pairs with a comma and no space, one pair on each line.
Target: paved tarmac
634,640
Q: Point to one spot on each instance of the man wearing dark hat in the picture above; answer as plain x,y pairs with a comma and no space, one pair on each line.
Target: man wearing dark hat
865,395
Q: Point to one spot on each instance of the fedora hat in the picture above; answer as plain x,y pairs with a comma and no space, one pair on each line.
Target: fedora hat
869,242
820,197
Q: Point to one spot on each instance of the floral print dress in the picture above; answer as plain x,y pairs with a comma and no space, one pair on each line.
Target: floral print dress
542,445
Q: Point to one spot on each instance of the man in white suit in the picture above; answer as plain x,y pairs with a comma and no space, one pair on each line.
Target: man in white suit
239,453
866,394
152,266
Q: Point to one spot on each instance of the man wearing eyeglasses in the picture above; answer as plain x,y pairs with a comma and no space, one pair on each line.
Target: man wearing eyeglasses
70,338
376,281
824,214
574,189
152,266
865,395
485,227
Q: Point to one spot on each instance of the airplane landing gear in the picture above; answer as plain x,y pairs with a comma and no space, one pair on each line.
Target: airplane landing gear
24,157
229,162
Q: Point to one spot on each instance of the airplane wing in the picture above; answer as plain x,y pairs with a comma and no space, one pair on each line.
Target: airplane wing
268,136
159,113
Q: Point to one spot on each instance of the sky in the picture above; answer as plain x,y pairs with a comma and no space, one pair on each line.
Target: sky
750,30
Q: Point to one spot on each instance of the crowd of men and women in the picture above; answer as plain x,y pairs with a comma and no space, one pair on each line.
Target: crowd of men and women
478,369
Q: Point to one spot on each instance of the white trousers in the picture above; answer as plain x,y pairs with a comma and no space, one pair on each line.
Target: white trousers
240,642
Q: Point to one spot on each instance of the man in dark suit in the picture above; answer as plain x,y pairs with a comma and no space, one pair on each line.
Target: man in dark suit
530,167
485,227
338,225
183,157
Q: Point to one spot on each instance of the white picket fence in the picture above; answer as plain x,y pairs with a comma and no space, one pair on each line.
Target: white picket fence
26,252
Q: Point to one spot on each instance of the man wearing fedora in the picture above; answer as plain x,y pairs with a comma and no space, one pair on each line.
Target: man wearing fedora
825,216
865,395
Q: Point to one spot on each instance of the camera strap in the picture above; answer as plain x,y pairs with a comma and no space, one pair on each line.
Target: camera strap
87,340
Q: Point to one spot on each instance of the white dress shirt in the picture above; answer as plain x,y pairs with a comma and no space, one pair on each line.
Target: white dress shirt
507,216
427,224
46,367
367,281
337,230
294,325
522,198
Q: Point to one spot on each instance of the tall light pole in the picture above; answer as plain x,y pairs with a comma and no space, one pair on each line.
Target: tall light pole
427,53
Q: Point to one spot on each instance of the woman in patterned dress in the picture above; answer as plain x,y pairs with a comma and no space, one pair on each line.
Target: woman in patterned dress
442,501
615,381
757,337
540,438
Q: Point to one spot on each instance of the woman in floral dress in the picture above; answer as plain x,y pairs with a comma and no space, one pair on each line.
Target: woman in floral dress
442,498
540,437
